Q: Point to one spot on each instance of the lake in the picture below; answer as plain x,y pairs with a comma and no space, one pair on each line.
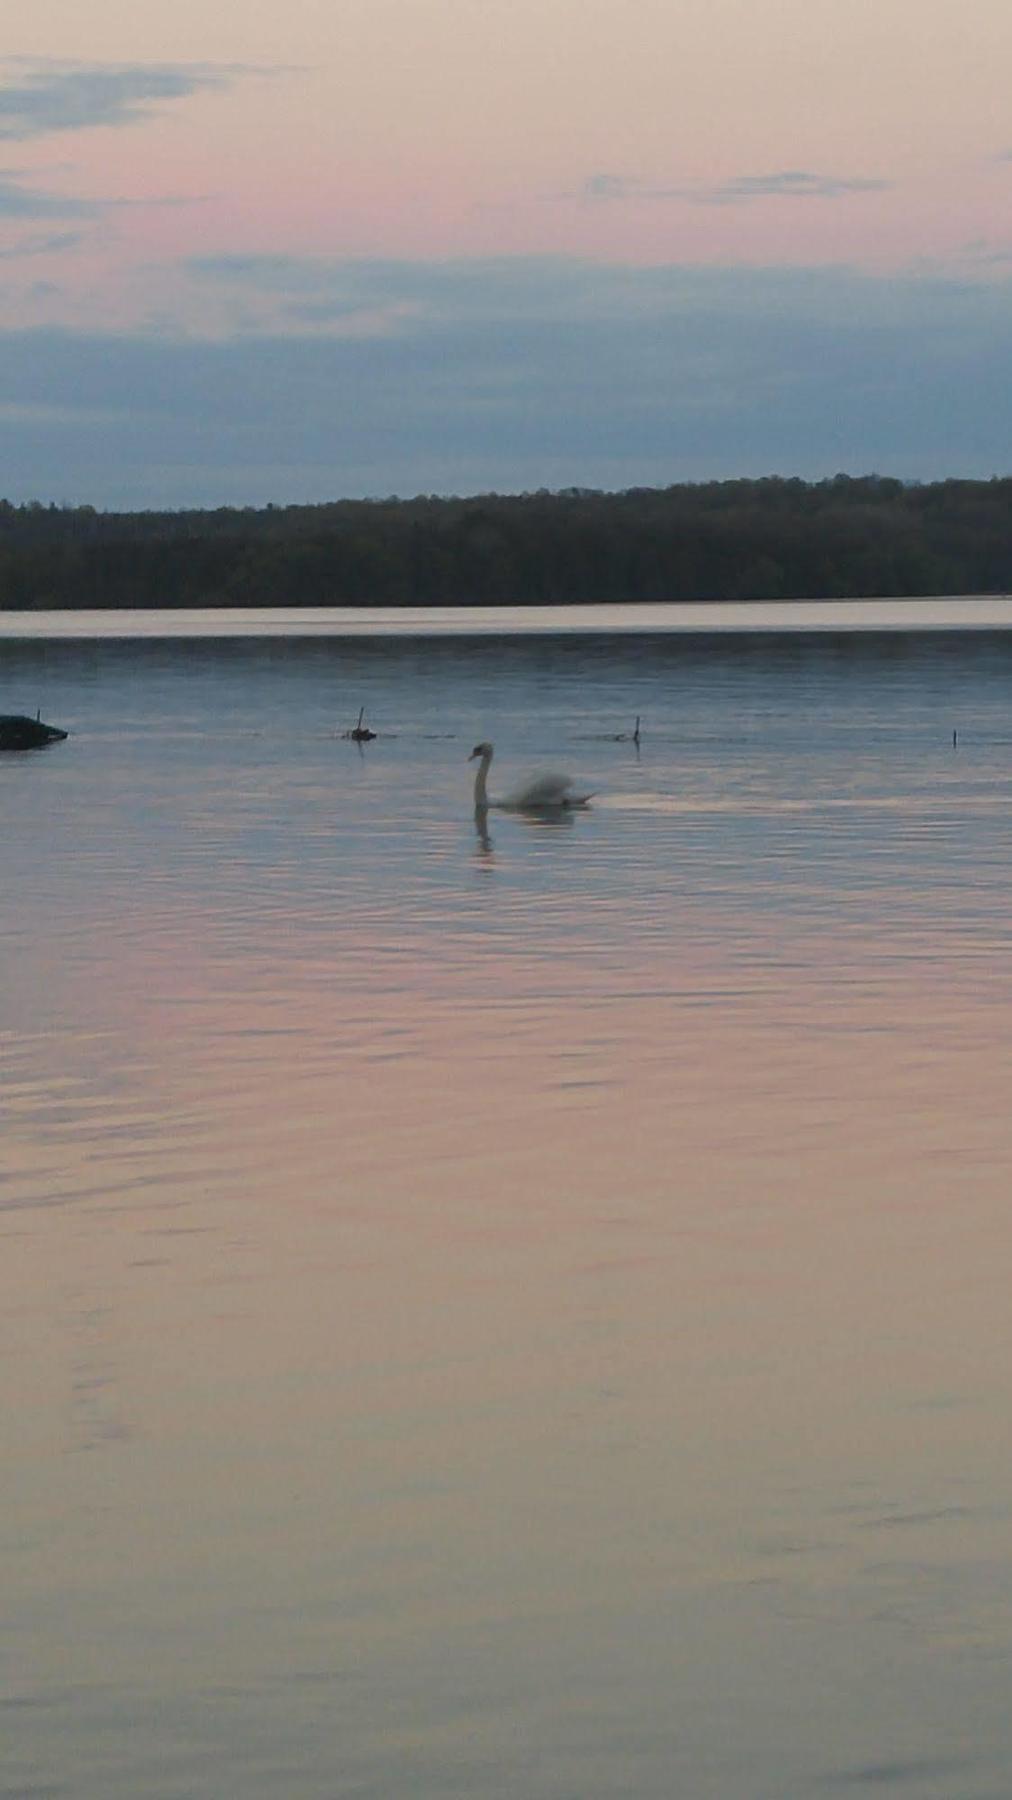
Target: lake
508,1306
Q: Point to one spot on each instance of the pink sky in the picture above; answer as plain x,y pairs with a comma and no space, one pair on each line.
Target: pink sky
430,128
137,150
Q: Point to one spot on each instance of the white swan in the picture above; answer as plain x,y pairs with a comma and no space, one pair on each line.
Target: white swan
544,792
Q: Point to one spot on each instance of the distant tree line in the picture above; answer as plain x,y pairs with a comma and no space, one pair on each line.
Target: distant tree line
771,539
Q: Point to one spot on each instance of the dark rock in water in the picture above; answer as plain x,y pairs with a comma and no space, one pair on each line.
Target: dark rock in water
18,732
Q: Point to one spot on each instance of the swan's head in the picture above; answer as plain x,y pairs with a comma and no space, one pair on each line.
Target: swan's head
480,750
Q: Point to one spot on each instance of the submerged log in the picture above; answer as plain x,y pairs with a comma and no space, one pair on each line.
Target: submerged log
360,734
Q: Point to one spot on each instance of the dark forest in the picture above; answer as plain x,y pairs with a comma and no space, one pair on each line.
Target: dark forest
770,539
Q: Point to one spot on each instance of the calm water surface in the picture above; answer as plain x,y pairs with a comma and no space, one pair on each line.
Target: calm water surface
518,1311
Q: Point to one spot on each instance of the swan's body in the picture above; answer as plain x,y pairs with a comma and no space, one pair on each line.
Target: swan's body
544,792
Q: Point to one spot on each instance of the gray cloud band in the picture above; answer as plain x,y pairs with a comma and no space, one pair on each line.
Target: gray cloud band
542,372
780,184
46,97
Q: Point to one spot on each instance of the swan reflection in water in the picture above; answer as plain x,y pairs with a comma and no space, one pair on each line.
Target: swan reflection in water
545,818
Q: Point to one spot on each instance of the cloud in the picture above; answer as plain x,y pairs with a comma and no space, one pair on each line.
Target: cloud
18,200
791,184
50,245
271,270
982,253
614,187
542,372
782,184
321,288
507,292
46,96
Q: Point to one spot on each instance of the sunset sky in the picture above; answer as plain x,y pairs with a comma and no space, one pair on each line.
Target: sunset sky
254,253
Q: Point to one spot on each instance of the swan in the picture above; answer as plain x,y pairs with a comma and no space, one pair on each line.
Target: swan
544,792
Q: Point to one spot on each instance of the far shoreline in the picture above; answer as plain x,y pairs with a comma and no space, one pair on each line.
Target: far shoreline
748,542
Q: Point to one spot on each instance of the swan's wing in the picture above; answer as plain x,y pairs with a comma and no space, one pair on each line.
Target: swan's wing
546,788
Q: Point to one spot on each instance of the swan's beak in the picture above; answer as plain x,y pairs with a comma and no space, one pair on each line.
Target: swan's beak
473,754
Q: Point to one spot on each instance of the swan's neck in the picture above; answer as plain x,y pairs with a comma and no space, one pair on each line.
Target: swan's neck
480,795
